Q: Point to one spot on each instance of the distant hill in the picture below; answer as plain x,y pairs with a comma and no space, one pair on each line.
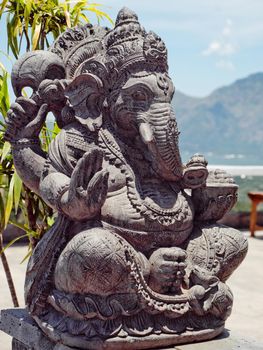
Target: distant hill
227,125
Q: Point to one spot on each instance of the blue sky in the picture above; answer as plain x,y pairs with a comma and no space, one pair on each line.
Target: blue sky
210,42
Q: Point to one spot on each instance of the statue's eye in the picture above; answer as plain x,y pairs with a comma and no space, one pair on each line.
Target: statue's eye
139,96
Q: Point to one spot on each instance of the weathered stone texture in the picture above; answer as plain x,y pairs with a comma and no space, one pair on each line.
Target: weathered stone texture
136,258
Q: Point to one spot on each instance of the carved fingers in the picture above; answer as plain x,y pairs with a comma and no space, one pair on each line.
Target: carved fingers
173,254
77,186
87,166
93,164
97,190
34,127
19,115
167,269
25,119
89,183
168,272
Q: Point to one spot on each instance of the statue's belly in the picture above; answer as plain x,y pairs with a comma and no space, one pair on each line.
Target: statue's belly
143,227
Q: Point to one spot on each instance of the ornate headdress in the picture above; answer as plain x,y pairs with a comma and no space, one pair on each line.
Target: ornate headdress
87,62
109,54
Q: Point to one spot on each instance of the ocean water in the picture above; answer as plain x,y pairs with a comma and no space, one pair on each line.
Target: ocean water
232,159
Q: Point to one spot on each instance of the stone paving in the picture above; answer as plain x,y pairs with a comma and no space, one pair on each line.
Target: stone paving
246,283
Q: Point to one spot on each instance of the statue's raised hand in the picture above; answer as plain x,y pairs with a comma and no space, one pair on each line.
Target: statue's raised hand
88,187
25,119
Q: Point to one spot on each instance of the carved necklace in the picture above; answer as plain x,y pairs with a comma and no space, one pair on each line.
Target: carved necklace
113,151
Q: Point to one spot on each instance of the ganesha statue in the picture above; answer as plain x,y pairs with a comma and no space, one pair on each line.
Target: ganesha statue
135,258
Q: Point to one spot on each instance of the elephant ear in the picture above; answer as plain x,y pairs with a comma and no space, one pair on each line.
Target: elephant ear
31,69
86,95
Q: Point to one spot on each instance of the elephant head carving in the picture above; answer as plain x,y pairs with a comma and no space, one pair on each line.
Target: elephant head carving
122,76
92,74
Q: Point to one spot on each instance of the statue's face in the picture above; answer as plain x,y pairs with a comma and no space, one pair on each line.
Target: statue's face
141,109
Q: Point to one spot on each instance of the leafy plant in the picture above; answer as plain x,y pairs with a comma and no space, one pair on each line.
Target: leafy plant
34,20
31,25
6,178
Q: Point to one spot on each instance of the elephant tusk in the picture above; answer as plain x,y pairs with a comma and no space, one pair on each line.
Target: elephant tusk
146,133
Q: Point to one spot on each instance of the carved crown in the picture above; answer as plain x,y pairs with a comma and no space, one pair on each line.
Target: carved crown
110,53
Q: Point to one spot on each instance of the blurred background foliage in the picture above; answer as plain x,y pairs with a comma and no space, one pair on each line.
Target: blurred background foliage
31,25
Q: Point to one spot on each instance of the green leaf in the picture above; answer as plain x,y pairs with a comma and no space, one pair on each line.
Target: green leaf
55,130
76,19
22,227
15,31
3,5
17,190
12,242
50,220
1,65
36,27
67,14
5,150
46,27
9,202
83,16
10,35
27,256
17,3
2,214
4,94
100,14
27,13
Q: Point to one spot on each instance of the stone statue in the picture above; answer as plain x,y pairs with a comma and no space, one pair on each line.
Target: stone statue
135,259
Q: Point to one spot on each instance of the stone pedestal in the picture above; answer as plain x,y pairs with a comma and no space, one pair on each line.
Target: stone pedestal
25,332
27,336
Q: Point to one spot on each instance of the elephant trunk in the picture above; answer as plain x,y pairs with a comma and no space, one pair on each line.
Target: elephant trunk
158,130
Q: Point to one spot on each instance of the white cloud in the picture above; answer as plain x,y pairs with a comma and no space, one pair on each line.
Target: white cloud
223,47
220,48
214,47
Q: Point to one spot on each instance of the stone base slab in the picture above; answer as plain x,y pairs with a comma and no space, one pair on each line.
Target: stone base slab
19,325
27,336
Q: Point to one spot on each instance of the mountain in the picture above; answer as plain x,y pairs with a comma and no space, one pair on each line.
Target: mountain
226,126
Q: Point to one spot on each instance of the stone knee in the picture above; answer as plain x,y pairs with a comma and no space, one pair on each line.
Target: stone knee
93,262
217,249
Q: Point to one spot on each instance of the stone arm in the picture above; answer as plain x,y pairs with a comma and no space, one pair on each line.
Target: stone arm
78,193
27,116
81,194
25,120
